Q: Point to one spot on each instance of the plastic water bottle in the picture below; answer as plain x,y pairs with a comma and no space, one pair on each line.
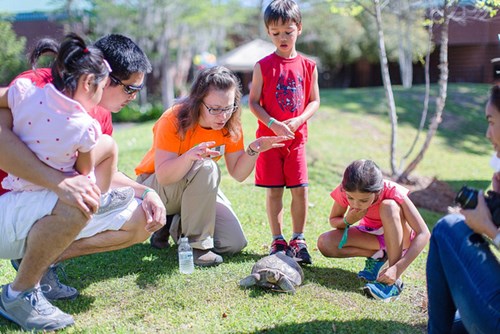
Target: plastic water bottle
186,265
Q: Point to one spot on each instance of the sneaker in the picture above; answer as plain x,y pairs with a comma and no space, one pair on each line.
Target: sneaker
115,200
57,291
372,268
384,292
159,239
278,245
206,258
32,311
298,250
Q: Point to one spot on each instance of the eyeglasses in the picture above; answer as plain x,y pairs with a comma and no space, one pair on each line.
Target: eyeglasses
128,89
219,111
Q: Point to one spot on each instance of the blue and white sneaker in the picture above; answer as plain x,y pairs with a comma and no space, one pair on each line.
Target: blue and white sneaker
384,292
372,268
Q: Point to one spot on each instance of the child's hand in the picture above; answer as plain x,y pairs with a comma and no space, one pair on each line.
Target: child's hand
354,215
281,129
293,123
388,275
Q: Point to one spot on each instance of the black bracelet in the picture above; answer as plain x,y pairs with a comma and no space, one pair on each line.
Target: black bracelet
250,151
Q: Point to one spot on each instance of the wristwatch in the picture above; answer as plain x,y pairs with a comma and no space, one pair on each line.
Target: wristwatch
250,151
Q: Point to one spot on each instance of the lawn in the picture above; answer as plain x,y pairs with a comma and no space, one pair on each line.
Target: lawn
140,290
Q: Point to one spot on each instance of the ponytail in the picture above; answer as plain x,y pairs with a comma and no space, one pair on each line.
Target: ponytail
74,59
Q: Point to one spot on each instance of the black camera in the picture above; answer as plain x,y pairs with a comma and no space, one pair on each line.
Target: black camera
467,199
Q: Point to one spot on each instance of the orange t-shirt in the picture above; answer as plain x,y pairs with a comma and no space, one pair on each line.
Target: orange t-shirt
165,137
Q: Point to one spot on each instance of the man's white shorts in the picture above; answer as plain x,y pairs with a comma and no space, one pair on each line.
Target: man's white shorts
19,211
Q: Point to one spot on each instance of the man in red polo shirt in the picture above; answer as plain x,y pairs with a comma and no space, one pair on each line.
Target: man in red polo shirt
54,238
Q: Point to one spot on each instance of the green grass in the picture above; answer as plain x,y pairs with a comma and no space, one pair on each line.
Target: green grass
140,290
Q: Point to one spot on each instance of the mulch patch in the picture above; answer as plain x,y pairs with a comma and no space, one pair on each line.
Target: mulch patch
431,194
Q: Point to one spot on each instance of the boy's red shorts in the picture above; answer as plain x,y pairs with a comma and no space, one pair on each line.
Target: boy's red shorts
283,167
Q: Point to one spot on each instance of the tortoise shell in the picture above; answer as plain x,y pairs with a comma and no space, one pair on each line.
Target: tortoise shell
277,272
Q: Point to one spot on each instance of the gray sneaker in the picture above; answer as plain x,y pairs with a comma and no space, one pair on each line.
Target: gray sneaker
57,291
32,311
115,200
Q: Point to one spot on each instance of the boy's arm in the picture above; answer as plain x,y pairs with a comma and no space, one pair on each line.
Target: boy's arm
312,105
254,96
84,162
279,128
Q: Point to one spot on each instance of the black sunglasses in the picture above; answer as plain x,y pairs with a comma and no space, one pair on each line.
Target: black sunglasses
129,89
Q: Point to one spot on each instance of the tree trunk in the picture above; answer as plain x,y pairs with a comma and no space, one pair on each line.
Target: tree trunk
425,109
166,64
183,60
441,99
404,44
387,86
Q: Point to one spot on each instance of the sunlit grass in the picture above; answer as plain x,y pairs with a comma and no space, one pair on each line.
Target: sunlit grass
139,289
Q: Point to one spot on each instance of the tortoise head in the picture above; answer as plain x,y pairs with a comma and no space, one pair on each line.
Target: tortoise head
273,275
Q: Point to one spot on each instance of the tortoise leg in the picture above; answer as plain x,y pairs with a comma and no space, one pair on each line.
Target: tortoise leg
285,285
250,280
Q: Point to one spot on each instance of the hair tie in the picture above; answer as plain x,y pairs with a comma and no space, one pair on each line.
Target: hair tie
86,50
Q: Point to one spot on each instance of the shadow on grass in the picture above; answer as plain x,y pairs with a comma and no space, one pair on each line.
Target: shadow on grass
333,278
354,326
244,256
147,263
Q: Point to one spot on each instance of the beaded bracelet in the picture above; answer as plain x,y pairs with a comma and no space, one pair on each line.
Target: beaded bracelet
271,121
146,191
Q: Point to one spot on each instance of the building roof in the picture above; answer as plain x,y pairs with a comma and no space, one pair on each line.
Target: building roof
244,57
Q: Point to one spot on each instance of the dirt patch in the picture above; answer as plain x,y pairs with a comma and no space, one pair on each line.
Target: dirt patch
431,194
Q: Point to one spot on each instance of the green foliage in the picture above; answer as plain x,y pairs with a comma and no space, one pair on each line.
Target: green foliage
341,33
490,6
325,35
12,59
134,113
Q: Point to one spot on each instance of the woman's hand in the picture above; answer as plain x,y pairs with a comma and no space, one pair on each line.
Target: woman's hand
495,182
265,143
479,218
202,151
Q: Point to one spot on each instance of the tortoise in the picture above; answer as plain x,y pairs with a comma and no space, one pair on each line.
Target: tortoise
278,272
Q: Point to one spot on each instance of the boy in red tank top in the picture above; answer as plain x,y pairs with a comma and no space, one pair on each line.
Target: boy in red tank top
284,94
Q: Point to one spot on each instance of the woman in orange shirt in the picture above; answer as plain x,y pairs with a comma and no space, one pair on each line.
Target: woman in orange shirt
181,166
